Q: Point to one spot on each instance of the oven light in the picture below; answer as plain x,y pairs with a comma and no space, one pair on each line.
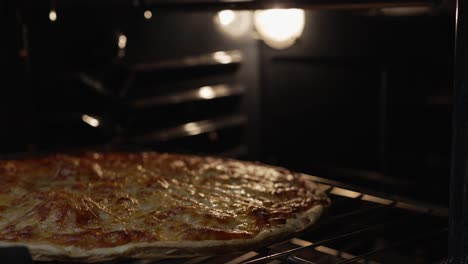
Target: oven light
226,17
222,57
94,122
148,14
233,23
52,15
206,92
279,28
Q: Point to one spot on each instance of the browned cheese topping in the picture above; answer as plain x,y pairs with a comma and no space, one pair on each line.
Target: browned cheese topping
104,200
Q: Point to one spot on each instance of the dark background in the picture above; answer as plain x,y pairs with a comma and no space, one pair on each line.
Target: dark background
362,97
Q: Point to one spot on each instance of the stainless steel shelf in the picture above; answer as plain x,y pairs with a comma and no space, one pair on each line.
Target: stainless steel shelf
217,58
208,92
191,129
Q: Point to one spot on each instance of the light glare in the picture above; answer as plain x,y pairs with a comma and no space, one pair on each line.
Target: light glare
94,122
280,28
226,17
52,15
206,92
222,57
233,23
192,128
122,41
148,14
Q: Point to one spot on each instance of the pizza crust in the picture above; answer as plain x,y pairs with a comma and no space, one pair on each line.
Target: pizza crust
178,249
171,249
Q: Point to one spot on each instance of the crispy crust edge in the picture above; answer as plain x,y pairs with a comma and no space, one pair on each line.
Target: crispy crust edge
178,249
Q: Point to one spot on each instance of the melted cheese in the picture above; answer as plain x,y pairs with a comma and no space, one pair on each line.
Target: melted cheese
103,200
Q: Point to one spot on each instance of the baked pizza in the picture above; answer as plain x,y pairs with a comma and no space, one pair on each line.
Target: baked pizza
105,206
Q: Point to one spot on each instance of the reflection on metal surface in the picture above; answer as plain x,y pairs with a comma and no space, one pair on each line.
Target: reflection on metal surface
202,93
94,84
376,199
222,57
385,219
407,10
216,58
242,258
206,92
122,43
323,187
52,15
344,192
413,206
233,23
148,14
325,250
279,28
92,121
191,129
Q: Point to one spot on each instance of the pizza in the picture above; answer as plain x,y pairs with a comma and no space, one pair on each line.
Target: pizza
104,206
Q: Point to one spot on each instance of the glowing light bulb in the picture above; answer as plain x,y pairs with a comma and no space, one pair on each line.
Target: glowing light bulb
280,28
226,17
233,23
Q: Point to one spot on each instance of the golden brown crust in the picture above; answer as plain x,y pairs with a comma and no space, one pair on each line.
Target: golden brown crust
96,206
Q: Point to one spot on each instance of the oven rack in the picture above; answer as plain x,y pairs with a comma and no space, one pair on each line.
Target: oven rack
359,227
350,232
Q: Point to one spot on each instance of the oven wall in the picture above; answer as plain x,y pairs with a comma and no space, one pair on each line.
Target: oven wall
363,97
78,70
15,105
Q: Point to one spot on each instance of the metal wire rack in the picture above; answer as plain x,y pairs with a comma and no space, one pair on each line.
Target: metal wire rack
360,227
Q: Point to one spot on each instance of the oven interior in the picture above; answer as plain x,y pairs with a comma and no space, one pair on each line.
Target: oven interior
361,97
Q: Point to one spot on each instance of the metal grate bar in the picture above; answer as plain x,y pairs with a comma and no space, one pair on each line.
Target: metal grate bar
359,212
329,252
443,261
297,260
243,258
326,241
209,59
206,92
398,243
197,260
338,191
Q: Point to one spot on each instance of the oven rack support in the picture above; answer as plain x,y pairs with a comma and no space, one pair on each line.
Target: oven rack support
458,235
371,211
292,251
